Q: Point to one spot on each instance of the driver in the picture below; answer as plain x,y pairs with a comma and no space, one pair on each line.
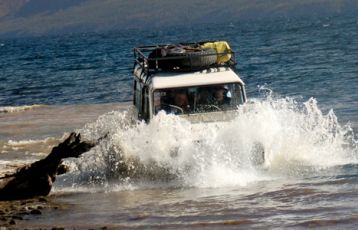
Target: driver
178,102
181,99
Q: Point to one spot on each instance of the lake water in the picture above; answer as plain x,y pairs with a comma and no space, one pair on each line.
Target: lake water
301,78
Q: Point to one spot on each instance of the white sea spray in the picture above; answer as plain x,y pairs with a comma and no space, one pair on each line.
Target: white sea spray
297,138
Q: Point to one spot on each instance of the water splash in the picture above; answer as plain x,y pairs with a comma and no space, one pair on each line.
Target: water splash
297,139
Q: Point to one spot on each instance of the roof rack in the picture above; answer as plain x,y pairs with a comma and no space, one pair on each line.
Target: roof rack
151,61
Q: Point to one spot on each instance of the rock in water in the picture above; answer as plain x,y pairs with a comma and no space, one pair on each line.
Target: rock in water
37,179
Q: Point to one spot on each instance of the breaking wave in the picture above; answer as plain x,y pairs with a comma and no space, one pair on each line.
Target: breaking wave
296,138
39,147
15,109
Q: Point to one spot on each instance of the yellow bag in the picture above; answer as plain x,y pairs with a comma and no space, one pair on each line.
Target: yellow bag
222,48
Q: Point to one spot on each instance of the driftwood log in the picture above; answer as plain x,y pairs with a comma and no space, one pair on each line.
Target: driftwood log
37,179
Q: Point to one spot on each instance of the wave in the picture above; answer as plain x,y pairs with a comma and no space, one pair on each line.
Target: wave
30,142
35,147
11,166
297,139
15,109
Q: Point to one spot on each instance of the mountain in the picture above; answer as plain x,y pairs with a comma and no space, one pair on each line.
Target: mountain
32,7
8,7
25,8
39,17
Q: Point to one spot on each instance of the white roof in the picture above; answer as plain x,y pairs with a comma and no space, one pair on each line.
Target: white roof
210,76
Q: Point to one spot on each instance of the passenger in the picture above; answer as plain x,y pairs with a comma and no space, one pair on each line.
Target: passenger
221,95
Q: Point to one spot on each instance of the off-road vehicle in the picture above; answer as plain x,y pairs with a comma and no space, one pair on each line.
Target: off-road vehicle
196,81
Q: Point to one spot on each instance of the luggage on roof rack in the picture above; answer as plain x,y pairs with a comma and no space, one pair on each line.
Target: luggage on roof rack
184,56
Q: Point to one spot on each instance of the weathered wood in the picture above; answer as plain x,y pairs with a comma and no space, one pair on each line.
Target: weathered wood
37,179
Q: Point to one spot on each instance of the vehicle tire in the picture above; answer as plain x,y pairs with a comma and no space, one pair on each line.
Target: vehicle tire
203,58
183,58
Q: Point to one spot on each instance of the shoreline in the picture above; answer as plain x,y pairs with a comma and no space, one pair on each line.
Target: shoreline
15,212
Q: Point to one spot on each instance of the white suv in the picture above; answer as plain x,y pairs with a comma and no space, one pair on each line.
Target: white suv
193,80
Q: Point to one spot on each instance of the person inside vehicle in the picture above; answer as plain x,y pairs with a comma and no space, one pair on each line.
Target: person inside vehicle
181,100
203,96
221,95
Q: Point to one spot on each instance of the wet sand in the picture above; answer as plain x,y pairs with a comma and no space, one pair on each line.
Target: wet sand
14,212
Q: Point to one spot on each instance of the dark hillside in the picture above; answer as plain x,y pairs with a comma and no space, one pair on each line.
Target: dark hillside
39,17
45,6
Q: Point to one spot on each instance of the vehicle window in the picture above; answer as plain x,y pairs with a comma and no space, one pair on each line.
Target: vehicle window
198,99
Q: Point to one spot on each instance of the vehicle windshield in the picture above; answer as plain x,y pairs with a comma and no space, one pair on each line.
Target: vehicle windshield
199,99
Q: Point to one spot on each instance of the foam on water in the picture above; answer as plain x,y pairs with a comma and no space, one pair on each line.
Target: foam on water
15,109
296,137
39,147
